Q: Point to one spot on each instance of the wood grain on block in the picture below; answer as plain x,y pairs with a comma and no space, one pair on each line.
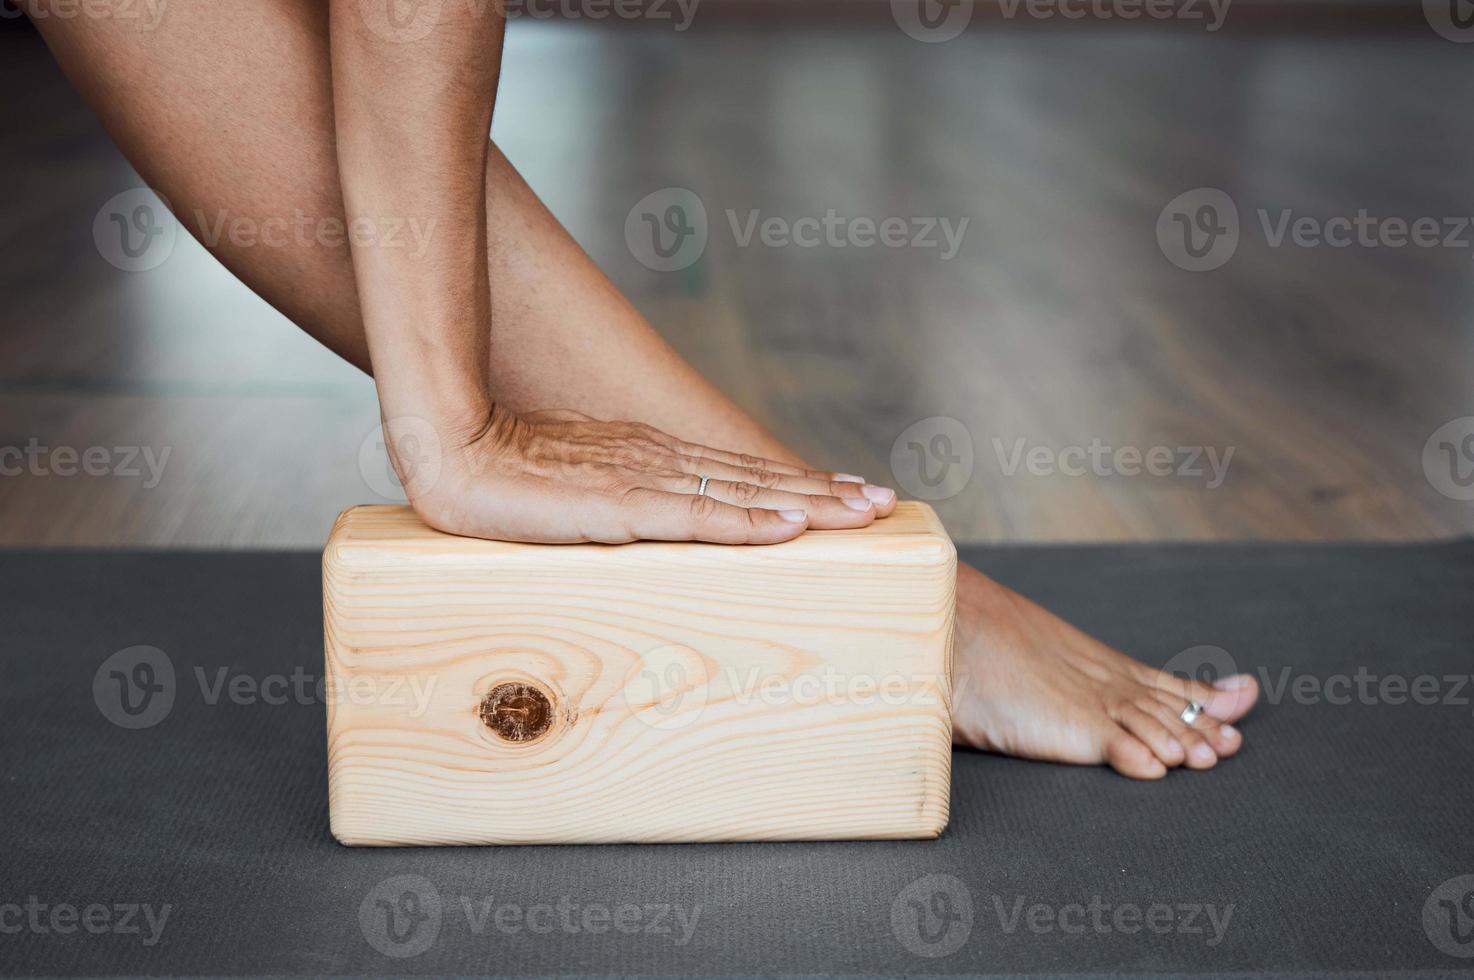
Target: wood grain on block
481,692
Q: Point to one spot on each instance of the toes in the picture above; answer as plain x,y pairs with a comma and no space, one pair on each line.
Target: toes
1131,757
1155,734
1224,738
1227,699
1203,740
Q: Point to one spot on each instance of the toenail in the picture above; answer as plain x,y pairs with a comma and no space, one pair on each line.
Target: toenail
1202,753
1228,731
856,503
881,495
1232,683
1174,746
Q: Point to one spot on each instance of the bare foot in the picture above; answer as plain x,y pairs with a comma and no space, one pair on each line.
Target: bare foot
1028,684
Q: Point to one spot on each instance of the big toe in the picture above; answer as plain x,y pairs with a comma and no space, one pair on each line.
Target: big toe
1230,698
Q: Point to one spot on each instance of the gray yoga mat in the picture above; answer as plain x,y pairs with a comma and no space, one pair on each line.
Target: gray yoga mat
1340,839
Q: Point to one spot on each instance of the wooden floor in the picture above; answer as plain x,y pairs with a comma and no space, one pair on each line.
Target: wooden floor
1059,322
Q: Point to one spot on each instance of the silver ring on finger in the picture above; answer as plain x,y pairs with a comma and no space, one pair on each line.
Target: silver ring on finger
701,490
1191,712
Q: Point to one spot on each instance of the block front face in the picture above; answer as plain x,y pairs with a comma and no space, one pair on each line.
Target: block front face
482,692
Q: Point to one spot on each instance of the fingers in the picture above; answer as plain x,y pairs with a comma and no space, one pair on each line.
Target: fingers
657,515
747,462
824,512
881,498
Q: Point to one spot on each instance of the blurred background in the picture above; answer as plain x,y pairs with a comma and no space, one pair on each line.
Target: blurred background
1155,271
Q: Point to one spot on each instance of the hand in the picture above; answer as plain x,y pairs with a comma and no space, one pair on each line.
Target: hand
561,477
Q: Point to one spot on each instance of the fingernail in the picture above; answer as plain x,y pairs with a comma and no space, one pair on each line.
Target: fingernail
848,478
793,516
1228,730
856,503
881,495
1231,683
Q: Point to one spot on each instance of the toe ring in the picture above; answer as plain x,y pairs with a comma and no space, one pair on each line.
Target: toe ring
1191,712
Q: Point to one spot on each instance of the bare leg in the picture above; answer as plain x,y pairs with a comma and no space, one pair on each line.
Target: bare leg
227,109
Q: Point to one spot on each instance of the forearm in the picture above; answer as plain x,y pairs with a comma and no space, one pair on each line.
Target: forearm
412,120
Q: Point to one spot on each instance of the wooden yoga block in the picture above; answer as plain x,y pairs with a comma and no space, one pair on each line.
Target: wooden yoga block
481,692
